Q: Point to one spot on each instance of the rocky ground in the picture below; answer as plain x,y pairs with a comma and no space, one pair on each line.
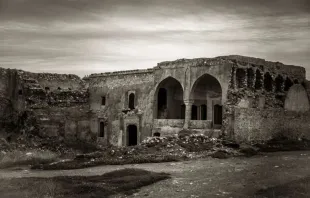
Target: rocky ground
274,175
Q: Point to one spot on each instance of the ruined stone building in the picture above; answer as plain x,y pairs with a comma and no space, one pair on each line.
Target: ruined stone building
238,97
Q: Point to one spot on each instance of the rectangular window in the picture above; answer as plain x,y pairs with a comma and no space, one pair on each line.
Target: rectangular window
101,129
103,100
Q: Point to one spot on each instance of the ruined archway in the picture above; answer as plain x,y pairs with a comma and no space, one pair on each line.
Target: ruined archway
169,100
205,94
258,80
279,83
268,82
132,135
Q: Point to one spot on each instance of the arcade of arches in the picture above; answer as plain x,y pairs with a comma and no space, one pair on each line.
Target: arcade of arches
204,102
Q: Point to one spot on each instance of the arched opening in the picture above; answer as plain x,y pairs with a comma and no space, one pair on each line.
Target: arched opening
169,100
206,91
240,76
250,79
156,134
296,81
131,102
203,112
279,83
258,80
218,115
268,81
132,135
287,84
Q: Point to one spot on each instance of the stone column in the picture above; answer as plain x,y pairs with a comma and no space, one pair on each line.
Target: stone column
188,113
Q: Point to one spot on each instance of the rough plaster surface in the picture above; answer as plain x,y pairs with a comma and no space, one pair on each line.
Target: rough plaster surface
297,99
263,124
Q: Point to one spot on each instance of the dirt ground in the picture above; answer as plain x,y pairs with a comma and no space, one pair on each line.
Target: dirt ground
280,174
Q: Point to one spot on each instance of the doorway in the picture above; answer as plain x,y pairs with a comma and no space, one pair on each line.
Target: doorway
132,135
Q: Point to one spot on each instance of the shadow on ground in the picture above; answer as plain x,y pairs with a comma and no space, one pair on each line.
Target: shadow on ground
298,188
126,181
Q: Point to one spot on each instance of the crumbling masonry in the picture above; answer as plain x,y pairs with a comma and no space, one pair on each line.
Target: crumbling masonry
238,97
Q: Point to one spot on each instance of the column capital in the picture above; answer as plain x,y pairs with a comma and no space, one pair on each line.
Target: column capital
188,102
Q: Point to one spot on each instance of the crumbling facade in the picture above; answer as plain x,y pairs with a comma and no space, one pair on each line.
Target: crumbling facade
238,97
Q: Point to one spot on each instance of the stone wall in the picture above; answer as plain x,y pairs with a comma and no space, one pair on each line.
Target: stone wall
116,89
46,104
263,124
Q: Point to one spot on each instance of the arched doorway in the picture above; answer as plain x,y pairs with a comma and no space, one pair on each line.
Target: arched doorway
169,100
206,92
132,135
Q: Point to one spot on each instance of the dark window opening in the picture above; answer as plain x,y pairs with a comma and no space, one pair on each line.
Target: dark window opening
288,83
240,76
268,82
250,79
156,134
203,112
232,80
296,81
132,135
59,88
47,88
194,112
183,111
131,103
20,92
162,103
103,100
218,111
101,129
279,83
258,80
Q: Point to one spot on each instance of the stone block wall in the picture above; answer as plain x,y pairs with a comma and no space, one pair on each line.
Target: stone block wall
116,88
264,124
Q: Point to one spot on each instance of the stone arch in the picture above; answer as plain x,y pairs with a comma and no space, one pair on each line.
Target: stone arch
279,83
268,82
206,92
258,80
168,99
297,99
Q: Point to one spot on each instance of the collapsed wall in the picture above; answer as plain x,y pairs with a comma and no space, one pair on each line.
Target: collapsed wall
46,104
265,100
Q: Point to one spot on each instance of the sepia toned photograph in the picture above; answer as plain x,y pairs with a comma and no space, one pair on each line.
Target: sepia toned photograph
154,98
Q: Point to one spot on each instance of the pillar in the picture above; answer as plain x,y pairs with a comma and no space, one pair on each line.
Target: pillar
188,113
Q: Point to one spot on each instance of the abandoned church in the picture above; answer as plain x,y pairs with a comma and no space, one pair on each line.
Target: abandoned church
238,97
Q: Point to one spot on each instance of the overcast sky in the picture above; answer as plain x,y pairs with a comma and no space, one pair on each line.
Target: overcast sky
90,36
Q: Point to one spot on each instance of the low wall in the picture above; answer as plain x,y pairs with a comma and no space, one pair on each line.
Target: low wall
200,124
261,124
168,122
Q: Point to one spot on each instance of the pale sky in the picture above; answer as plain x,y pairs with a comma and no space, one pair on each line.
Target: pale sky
92,36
